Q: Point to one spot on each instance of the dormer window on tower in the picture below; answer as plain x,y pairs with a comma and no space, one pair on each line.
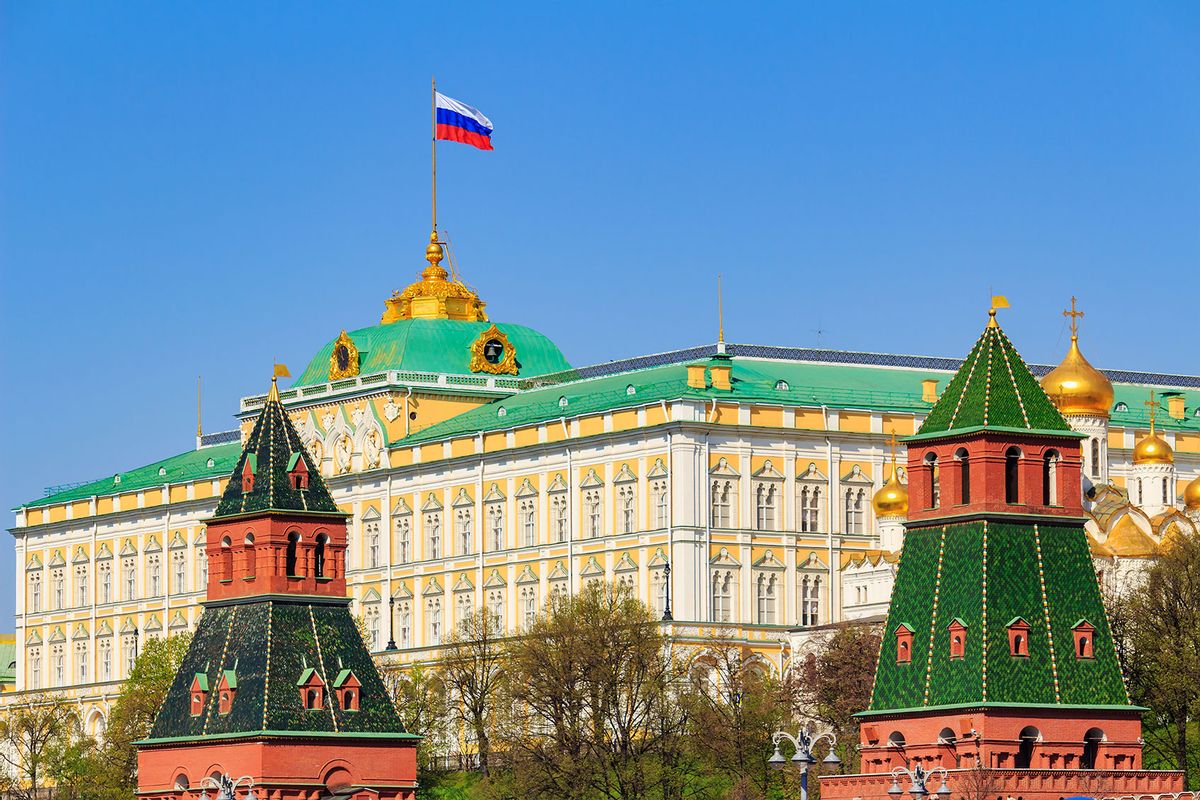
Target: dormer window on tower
1018,637
312,690
226,691
297,472
249,470
348,689
1085,637
199,693
904,637
958,638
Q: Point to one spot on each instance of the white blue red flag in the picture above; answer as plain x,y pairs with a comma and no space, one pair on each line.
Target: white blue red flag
458,122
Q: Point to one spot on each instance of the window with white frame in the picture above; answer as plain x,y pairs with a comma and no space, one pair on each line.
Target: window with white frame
202,561
558,589
104,645
766,495
464,606
58,665
810,508
558,513
528,511
433,534
128,652
855,502
374,635
404,622
658,580
35,592
373,545
81,585
433,621
722,503
35,668
528,599
129,578
403,528
658,497
627,499
810,600
766,591
591,512
464,530
81,662
625,581
154,573
105,568
495,606
722,596
495,514
179,568
58,589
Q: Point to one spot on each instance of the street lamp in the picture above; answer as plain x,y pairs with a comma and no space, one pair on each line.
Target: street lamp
226,787
803,742
135,643
391,645
918,778
667,580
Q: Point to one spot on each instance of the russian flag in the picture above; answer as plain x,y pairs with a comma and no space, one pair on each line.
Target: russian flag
458,122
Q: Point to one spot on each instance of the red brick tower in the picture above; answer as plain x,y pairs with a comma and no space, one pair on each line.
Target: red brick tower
997,662
277,685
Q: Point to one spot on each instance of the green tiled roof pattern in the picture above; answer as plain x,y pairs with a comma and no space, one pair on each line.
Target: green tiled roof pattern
269,448
8,662
993,388
1010,588
189,466
435,345
270,642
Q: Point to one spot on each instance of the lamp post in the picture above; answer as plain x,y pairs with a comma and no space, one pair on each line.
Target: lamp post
136,640
391,645
667,580
918,778
226,787
803,742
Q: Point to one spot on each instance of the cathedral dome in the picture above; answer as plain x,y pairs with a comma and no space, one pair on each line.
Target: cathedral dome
1078,388
1153,450
892,499
1191,494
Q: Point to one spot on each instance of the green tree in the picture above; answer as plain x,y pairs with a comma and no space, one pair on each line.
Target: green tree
472,672
420,699
836,683
33,737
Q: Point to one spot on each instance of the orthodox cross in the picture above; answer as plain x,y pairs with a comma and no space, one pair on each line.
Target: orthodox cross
1152,404
1074,315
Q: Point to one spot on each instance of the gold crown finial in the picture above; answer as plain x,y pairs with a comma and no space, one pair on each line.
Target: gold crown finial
434,255
1074,315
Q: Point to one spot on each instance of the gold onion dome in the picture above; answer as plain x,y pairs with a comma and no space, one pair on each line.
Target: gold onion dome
892,499
436,295
1078,388
1153,450
1191,494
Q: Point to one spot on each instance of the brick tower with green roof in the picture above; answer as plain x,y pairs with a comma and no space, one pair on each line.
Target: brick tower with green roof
997,650
277,684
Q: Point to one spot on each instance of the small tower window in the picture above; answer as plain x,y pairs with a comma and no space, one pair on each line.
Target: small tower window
1012,463
319,556
226,691
958,639
293,544
1050,478
312,690
249,467
1018,638
1084,639
199,693
904,637
348,689
297,472
964,474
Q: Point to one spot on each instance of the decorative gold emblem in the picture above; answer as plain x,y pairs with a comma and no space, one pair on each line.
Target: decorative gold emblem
492,352
343,362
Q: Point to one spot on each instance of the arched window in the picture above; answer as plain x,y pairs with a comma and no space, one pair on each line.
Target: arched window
226,559
766,586
721,506
1029,737
251,565
764,506
964,474
722,596
1050,478
810,516
293,542
1012,461
935,489
1091,748
1095,458
319,556
1164,491
896,739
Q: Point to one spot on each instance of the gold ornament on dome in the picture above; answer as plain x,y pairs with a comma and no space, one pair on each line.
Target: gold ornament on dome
343,362
1075,386
1152,449
493,353
1191,494
436,295
892,498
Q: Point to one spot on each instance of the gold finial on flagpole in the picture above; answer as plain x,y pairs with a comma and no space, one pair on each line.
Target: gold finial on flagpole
433,149
720,315
199,428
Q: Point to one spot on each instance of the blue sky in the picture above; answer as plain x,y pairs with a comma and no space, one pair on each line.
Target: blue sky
199,188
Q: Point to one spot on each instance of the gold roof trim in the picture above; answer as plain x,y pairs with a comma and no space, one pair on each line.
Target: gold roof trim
436,295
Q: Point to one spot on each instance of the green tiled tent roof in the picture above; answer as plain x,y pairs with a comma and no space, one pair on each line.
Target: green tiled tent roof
435,345
270,450
987,574
993,389
269,643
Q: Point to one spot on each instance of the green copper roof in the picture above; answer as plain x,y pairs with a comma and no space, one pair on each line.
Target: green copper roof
8,662
435,345
993,389
270,643
269,450
987,574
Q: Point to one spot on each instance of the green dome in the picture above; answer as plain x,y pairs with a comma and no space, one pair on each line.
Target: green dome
436,345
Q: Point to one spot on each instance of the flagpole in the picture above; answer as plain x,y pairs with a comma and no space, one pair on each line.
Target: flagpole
433,144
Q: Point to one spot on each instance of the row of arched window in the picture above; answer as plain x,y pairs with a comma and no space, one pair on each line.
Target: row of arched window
293,564
1012,477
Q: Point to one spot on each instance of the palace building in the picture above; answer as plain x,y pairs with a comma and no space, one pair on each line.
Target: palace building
751,488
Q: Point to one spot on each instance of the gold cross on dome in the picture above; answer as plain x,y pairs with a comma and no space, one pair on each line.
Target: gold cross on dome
1152,404
1074,315
892,442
